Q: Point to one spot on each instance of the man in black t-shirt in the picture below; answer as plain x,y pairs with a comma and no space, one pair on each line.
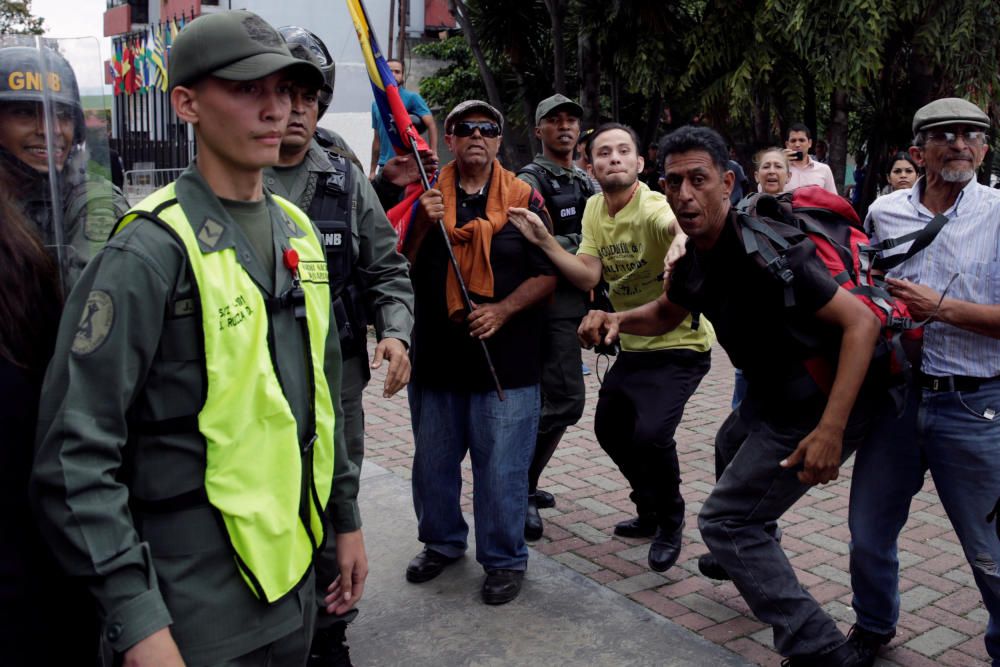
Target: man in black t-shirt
787,434
453,404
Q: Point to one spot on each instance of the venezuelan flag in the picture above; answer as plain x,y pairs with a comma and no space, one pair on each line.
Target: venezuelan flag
390,105
395,118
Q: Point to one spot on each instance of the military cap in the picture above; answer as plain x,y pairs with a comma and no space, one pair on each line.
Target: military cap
949,111
463,109
237,46
554,103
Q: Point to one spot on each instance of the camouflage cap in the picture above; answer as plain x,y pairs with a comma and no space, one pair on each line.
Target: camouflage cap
234,45
949,111
463,109
554,103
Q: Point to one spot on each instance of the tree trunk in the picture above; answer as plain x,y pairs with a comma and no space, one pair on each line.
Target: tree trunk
761,121
837,159
590,78
461,13
809,109
653,109
557,15
615,90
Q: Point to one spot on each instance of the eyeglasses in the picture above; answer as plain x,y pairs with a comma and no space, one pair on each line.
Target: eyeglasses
973,138
467,128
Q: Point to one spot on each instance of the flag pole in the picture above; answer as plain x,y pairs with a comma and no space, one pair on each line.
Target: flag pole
454,265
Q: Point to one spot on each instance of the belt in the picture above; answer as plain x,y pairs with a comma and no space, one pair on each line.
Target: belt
951,382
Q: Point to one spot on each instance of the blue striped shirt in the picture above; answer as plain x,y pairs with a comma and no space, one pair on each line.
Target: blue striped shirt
968,245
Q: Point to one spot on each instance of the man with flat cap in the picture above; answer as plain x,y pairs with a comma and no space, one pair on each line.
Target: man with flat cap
946,267
565,188
188,468
454,405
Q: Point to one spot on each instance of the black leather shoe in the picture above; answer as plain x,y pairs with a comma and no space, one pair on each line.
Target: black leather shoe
665,548
643,525
329,647
844,655
532,521
709,566
868,643
426,565
502,586
544,499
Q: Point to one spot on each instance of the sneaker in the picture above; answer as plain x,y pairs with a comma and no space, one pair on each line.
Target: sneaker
868,643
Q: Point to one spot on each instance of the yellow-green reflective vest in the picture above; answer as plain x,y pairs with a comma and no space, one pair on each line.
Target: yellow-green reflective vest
255,462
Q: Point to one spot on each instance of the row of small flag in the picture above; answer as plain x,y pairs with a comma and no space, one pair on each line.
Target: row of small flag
139,61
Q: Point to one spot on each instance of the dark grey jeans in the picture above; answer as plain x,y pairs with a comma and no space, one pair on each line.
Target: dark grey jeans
737,523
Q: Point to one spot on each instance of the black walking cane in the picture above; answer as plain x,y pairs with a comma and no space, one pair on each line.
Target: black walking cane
454,265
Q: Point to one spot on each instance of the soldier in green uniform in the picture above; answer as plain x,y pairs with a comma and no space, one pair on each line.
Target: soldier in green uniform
77,205
367,275
566,189
187,453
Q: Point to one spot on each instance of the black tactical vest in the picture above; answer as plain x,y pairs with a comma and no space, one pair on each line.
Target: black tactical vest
565,197
330,211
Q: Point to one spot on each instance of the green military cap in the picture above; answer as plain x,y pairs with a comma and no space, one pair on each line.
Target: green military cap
949,111
554,103
463,109
237,46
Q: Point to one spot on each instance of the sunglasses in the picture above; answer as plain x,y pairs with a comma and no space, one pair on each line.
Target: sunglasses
467,128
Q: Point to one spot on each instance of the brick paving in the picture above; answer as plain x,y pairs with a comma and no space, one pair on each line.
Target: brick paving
942,621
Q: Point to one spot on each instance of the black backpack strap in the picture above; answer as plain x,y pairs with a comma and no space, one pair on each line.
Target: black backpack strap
921,239
759,238
543,177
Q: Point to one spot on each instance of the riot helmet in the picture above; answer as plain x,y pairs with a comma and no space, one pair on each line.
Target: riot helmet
29,75
306,46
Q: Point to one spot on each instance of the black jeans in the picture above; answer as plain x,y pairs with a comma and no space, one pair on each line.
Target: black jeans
640,404
739,517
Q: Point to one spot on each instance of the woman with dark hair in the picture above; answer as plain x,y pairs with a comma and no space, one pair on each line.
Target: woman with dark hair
45,619
903,172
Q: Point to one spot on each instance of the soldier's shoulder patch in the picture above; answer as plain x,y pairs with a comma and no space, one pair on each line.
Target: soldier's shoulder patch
95,323
98,226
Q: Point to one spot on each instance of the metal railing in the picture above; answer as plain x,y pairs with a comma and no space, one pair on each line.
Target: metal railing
140,183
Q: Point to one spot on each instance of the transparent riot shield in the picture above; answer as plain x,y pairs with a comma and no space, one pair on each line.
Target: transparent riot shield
56,162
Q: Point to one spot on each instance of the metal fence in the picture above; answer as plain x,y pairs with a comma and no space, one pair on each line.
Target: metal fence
140,183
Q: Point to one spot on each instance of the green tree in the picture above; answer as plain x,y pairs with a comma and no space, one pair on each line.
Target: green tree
854,71
16,18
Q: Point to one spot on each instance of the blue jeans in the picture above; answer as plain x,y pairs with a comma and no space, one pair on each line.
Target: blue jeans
500,438
953,435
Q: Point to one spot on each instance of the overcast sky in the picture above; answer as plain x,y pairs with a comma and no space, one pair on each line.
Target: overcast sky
78,19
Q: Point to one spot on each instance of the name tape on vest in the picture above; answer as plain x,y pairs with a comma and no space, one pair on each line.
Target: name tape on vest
314,272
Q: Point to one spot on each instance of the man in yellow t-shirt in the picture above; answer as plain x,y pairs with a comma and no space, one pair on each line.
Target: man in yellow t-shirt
628,230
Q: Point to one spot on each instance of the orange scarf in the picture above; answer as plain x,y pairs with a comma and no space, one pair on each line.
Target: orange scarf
471,242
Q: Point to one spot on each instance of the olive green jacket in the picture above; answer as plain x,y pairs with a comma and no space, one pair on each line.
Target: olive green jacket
381,272
129,357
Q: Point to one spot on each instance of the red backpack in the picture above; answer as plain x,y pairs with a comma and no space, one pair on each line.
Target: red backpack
769,225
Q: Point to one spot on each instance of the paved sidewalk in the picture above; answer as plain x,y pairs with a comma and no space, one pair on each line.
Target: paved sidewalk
942,620
560,618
